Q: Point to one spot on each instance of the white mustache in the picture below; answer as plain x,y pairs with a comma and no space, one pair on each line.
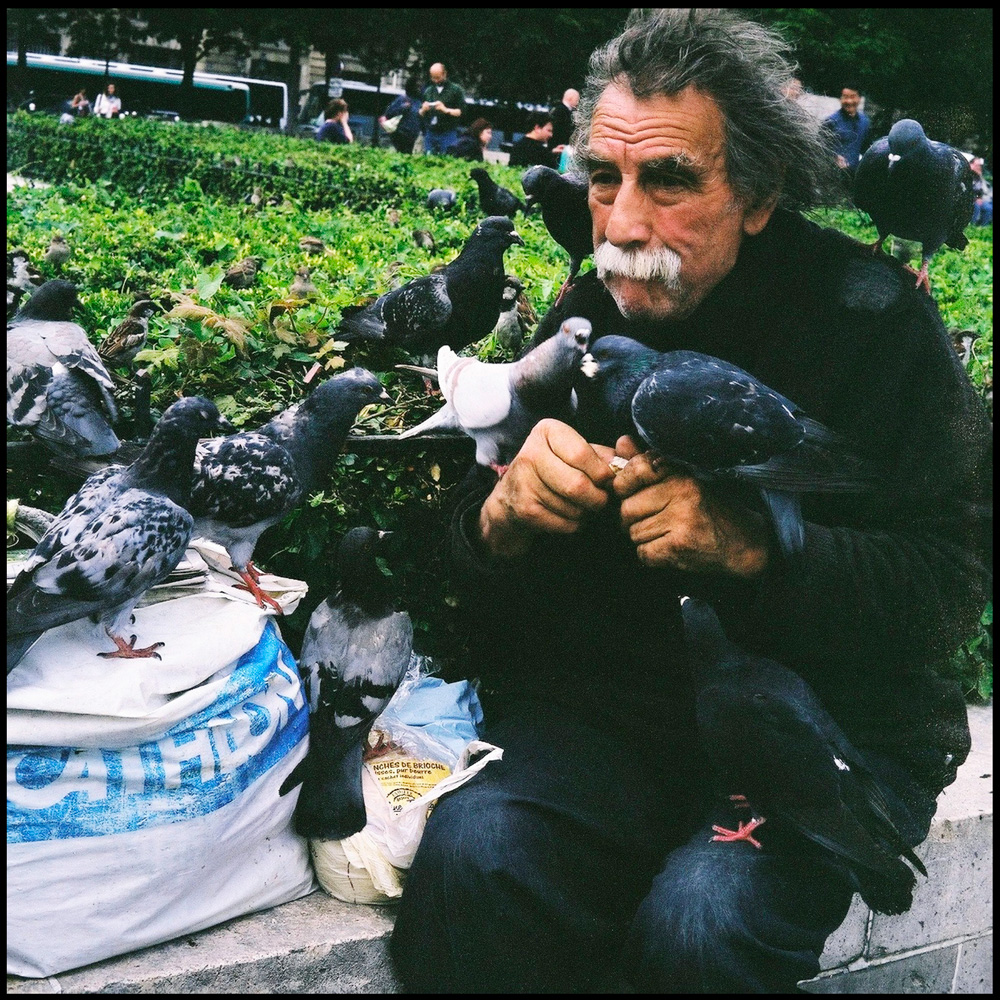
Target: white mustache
662,264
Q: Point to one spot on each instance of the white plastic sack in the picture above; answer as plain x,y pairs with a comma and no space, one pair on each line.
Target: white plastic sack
142,795
430,728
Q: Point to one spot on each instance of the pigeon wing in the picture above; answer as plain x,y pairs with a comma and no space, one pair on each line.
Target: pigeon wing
420,307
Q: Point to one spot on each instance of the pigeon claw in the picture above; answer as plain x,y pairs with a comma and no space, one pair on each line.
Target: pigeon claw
923,281
127,650
566,286
743,832
251,584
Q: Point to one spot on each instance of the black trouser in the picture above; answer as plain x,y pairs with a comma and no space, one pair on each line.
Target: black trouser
568,867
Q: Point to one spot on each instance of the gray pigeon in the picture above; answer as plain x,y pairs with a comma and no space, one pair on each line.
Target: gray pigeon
248,481
57,385
441,198
718,423
917,189
774,747
494,199
125,530
354,655
457,305
498,404
565,212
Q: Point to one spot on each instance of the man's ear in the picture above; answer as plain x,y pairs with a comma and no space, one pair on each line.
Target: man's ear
757,218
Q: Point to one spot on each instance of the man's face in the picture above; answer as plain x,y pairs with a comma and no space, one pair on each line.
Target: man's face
658,187
543,132
437,75
849,101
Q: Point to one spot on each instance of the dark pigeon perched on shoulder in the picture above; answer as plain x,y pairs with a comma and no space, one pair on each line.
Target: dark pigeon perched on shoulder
354,655
124,531
248,481
494,199
716,422
57,385
916,189
498,404
772,744
565,212
457,305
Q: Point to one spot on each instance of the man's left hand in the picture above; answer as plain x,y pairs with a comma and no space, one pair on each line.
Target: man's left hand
672,522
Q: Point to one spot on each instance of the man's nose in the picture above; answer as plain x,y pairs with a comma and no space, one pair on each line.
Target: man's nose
628,222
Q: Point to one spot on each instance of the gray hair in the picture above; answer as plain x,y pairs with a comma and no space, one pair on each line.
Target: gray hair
773,146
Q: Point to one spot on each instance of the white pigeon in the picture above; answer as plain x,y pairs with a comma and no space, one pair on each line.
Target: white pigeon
498,404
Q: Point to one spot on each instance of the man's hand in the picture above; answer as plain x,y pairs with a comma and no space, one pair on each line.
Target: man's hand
673,523
554,482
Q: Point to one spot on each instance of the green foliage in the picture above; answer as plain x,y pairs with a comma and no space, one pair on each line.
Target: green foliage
163,209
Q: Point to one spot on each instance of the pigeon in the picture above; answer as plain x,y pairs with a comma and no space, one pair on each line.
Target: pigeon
57,385
302,287
769,740
716,422
22,279
494,199
355,653
457,305
58,252
242,273
248,481
124,531
424,240
312,245
128,338
565,212
441,198
498,404
510,328
917,189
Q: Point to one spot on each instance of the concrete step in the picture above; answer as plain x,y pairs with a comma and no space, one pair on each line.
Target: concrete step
320,945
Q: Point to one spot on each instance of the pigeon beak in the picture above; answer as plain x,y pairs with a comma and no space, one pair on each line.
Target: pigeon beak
384,395
225,426
529,202
894,158
516,237
589,366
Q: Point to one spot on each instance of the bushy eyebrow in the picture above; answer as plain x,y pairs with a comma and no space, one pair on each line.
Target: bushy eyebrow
680,168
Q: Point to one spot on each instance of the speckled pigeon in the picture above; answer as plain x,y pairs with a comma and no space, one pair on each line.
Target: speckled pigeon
248,481
917,189
772,744
125,530
57,385
354,655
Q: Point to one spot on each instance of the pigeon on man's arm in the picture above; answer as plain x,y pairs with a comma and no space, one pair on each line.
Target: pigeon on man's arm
498,404
457,305
716,422
565,212
772,745
248,481
124,531
354,655
493,198
57,385
916,189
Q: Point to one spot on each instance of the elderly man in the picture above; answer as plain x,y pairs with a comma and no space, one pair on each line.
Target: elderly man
584,861
441,111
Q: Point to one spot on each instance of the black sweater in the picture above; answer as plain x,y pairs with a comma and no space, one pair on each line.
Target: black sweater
888,585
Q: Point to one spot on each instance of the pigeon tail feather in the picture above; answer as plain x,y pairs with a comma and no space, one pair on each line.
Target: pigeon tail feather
786,515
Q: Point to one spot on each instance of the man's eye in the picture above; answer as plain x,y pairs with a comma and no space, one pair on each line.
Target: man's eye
603,177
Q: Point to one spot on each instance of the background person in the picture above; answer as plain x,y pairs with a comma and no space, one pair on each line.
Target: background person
441,110
533,147
406,108
474,142
108,103
336,128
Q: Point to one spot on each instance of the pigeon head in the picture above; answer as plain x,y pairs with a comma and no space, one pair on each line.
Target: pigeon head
620,361
480,176
362,579
906,136
706,642
536,181
338,400
512,288
192,416
55,301
498,227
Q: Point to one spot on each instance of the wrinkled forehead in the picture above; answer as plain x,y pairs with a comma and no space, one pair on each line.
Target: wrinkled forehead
687,127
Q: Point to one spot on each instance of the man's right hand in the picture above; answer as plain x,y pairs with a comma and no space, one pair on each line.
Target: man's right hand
553,483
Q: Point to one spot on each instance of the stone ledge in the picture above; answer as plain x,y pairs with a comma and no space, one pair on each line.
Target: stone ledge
318,944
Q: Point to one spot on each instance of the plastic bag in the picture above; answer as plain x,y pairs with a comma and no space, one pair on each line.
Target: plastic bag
422,745
142,795
391,124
